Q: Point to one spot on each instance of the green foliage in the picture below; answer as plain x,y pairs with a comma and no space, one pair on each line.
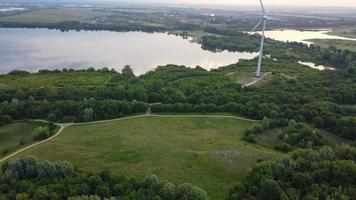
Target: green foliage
305,174
73,110
243,42
302,136
284,147
294,92
188,191
5,119
41,133
88,114
31,178
266,124
52,117
127,73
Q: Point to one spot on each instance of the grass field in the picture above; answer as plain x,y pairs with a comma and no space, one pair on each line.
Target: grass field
207,152
340,44
52,15
12,134
77,78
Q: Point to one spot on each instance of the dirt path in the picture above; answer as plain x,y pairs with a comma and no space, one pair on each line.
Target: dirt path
256,80
63,126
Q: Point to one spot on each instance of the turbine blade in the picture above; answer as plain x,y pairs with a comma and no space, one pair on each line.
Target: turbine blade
257,25
263,8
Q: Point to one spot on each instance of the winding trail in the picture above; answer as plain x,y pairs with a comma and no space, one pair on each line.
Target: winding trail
63,126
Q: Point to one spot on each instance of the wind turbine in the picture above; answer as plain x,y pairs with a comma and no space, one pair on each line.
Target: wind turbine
263,20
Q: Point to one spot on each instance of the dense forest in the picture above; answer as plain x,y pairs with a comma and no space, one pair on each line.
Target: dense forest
314,97
31,178
291,51
327,173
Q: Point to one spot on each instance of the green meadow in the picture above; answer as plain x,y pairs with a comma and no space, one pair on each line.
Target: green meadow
205,151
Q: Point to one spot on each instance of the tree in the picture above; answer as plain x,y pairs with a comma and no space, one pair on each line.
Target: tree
318,121
127,73
188,191
52,117
88,114
266,123
5,119
270,190
103,191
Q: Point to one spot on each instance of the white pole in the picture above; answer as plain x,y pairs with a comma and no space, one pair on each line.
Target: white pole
258,72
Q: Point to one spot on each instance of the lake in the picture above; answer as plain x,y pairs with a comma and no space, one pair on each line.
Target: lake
8,9
301,36
34,49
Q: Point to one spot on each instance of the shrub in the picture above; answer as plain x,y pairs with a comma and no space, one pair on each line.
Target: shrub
5,151
41,133
5,119
284,147
52,117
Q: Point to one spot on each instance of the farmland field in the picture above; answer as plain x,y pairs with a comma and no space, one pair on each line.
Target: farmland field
205,151
51,16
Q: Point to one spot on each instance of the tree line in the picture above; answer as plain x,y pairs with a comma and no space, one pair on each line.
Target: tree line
312,96
326,173
30,178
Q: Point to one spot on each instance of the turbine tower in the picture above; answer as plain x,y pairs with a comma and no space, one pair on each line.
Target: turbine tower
263,21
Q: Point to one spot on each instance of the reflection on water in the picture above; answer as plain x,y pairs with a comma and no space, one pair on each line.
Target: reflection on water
314,66
11,9
301,36
33,49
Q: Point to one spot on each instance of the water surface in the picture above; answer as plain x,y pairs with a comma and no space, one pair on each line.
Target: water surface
34,49
315,66
11,9
302,36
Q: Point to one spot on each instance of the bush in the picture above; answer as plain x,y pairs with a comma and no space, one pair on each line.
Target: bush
189,192
5,151
302,136
52,117
285,147
250,138
5,119
41,133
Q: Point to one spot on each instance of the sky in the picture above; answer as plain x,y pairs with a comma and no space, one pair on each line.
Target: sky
338,3
331,3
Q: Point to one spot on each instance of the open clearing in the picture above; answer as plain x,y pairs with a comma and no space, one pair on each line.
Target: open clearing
205,151
12,134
